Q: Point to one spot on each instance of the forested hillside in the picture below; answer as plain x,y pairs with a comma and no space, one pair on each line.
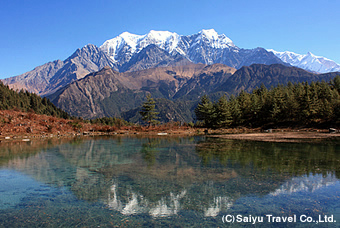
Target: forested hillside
26,101
113,94
292,104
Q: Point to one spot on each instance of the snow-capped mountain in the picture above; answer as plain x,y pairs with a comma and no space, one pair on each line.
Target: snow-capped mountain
207,46
169,41
308,61
130,52
122,47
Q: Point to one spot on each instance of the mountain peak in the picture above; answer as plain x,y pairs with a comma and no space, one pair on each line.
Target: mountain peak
209,33
90,46
87,50
216,40
161,35
126,36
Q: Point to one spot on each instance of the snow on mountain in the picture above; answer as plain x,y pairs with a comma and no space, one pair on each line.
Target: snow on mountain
116,45
163,39
206,46
128,44
124,46
308,61
214,39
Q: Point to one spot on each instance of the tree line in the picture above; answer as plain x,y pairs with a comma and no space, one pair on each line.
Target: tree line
291,104
110,121
28,102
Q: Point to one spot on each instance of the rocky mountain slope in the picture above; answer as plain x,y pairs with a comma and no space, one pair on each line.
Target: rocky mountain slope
177,88
109,93
152,57
249,77
50,77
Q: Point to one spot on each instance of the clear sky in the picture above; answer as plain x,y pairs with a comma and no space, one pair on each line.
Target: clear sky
35,32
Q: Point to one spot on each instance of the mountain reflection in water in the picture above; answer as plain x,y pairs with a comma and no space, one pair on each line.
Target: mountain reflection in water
163,177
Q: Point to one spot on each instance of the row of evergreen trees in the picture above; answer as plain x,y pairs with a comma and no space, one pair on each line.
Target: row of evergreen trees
111,121
30,102
26,101
299,103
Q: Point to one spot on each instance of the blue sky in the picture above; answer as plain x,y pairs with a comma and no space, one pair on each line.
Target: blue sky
38,31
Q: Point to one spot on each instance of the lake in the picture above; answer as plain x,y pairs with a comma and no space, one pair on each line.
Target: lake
169,182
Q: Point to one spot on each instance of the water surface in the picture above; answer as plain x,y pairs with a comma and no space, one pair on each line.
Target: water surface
167,181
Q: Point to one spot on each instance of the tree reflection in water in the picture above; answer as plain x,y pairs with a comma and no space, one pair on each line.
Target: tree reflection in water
294,158
162,177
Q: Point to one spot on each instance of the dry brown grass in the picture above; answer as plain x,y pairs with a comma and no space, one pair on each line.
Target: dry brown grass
15,123
21,124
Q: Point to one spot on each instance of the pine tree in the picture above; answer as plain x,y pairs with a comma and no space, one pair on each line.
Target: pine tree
235,110
205,111
336,83
223,115
314,107
244,103
148,111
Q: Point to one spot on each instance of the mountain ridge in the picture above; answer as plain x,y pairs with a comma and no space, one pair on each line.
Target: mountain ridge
48,78
206,46
130,52
308,61
110,93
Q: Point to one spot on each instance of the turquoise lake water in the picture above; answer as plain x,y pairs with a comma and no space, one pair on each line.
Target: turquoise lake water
169,182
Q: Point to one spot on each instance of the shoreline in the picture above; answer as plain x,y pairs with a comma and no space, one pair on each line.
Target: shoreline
287,136
278,135
21,126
